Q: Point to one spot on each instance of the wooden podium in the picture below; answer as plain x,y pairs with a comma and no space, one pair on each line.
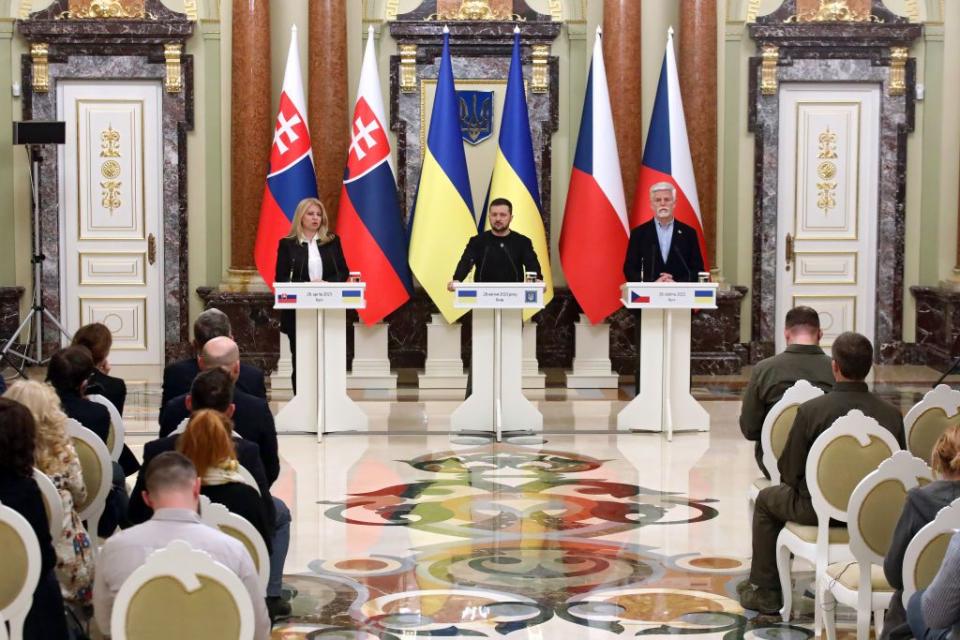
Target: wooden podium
664,402
321,403
497,402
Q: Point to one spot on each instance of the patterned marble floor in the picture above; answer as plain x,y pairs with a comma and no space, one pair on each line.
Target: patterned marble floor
581,532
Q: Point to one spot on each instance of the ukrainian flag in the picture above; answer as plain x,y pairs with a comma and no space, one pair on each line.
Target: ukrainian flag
443,220
515,172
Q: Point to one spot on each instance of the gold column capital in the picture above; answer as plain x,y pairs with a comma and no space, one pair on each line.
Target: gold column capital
39,52
898,71
408,68
174,80
770,55
540,76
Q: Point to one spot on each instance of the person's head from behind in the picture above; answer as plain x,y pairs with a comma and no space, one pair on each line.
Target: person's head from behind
802,326
210,324
207,442
171,482
70,369
17,438
212,389
500,214
52,442
852,357
945,459
221,352
98,339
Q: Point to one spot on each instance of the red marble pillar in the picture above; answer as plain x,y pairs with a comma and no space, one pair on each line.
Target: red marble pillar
327,104
697,66
251,125
621,55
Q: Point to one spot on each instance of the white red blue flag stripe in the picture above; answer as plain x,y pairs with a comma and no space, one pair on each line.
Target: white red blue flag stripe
593,239
369,222
666,154
291,176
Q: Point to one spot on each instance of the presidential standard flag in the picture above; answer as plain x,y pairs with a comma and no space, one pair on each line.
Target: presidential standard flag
593,239
666,154
515,172
369,221
443,220
291,176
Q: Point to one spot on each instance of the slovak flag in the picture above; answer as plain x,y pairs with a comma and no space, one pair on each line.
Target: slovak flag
593,239
291,176
666,154
369,222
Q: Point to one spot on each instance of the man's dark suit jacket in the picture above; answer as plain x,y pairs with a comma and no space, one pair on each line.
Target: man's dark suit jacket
252,420
644,262
96,418
178,377
248,455
111,388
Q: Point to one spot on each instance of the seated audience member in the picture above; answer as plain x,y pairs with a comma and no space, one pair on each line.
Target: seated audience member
790,500
252,419
173,491
55,456
921,507
19,491
934,613
177,377
211,390
803,359
68,371
98,339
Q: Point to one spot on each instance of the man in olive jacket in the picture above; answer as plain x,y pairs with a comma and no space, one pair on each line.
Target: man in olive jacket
803,359
790,500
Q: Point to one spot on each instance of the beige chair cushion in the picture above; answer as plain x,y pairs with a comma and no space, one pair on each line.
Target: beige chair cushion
848,574
161,609
879,515
761,483
13,564
781,429
248,545
807,533
927,429
928,564
92,472
844,464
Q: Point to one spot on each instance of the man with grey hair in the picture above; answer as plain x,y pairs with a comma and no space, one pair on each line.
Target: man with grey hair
178,376
663,249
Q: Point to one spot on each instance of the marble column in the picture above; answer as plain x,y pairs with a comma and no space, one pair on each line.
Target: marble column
621,55
251,131
697,66
327,103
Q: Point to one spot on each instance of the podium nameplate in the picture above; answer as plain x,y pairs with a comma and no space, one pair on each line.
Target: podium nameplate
669,295
499,295
320,295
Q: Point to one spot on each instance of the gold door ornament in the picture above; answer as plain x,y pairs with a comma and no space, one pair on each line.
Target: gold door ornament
40,66
408,68
770,56
173,82
827,171
540,75
110,143
110,169
898,71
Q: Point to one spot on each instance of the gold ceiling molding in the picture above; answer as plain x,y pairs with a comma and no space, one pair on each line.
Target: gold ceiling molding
834,11
393,7
25,6
556,10
753,8
475,10
190,8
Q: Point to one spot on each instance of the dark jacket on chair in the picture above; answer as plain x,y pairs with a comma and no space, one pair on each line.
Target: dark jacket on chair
111,388
292,257
644,262
96,418
178,378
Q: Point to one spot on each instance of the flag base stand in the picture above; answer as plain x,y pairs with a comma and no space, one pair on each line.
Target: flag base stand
591,363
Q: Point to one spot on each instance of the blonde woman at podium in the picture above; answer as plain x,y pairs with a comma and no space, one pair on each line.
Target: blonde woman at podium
309,253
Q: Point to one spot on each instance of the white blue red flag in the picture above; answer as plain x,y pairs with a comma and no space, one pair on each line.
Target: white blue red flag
666,154
291,176
593,239
369,222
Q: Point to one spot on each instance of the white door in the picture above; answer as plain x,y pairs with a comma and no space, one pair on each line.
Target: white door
827,205
111,198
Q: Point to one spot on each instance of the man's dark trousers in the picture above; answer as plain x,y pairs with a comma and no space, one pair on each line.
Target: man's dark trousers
774,507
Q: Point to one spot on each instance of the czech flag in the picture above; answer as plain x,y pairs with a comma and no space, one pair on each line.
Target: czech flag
593,239
291,176
515,171
369,221
443,220
666,154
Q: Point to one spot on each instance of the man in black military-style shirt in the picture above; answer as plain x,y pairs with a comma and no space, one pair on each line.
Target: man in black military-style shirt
499,255
790,500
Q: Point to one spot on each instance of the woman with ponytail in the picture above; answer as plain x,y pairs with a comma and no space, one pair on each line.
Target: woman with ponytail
921,507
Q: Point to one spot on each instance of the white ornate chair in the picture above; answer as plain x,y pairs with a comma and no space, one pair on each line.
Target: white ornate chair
97,471
874,510
236,526
926,420
117,428
839,459
19,569
924,554
52,503
183,593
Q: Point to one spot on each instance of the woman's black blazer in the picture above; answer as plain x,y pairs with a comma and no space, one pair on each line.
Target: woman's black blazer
292,267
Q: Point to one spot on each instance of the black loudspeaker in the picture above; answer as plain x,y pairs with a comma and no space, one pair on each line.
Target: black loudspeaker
39,132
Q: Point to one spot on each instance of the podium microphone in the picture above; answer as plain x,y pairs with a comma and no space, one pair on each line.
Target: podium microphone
516,274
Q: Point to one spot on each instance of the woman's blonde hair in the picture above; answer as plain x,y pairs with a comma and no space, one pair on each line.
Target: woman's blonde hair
54,449
296,231
945,459
207,440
